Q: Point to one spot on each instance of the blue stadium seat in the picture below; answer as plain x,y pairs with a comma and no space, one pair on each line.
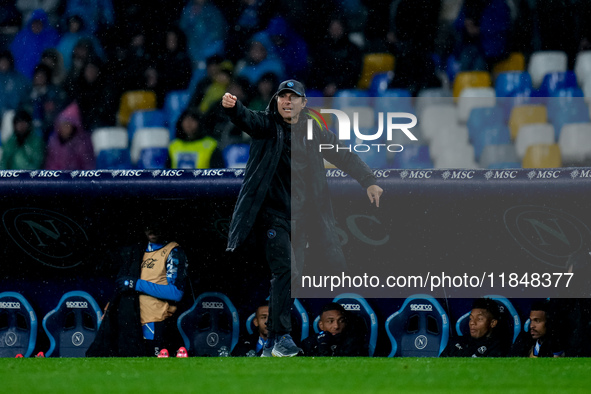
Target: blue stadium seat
351,98
481,118
18,325
497,135
555,81
567,107
510,84
113,159
510,313
211,327
356,304
141,119
175,103
314,93
236,155
299,315
414,156
394,100
420,328
153,158
379,83
72,326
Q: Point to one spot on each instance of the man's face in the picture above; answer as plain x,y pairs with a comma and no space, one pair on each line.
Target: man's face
332,321
153,235
290,105
481,323
260,320
537,325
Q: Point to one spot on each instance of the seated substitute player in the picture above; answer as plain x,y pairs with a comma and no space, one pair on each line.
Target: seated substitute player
137,321
341,334
541,340
485,339
252,345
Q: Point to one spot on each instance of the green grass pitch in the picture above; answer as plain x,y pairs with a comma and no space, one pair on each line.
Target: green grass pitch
295,375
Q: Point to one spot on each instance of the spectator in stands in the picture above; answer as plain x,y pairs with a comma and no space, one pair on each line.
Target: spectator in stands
289,46
485,339
542,339
205,27
341,334
14,87
31,41
483,28
173,63
265,210
51,7
76,31
258,61
139,320
53,59
264,91
81,54
10,22
336,52
192,148
25,149
70,146
90,85
252,345
45,100
412,35
211,94
97,15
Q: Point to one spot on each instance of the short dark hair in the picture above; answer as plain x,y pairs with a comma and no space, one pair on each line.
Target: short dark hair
489,305
333,306
22,115
540,305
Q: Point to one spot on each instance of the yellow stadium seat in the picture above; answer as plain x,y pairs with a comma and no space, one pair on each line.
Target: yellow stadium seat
374,63
515,62
526,114
134,100
542,156
471,79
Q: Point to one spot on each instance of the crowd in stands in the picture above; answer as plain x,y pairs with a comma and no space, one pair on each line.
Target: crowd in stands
68,64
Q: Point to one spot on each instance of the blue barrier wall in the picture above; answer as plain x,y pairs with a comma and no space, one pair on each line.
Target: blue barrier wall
61,230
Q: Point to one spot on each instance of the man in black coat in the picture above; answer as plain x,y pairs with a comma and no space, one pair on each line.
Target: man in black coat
285,189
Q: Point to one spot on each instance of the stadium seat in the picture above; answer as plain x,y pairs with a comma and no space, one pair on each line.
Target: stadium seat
567,109
490,135
113,159
515,62
149,137
300,321
542,156
575,143
18,325
471,79
134,100
544,62
456,156
509,84
436,117
175,103
512,326
374,63
7,126
211,326
420,328
109,138
414,156
146,118
356,304
482,118
379,83
432,96
494,156
524,114
471,98
583,67
350,98
532,134
556,80
448,138
394,100
236,155
153,158
72,326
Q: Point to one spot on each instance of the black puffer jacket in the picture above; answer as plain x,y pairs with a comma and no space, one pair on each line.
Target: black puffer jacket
268,135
